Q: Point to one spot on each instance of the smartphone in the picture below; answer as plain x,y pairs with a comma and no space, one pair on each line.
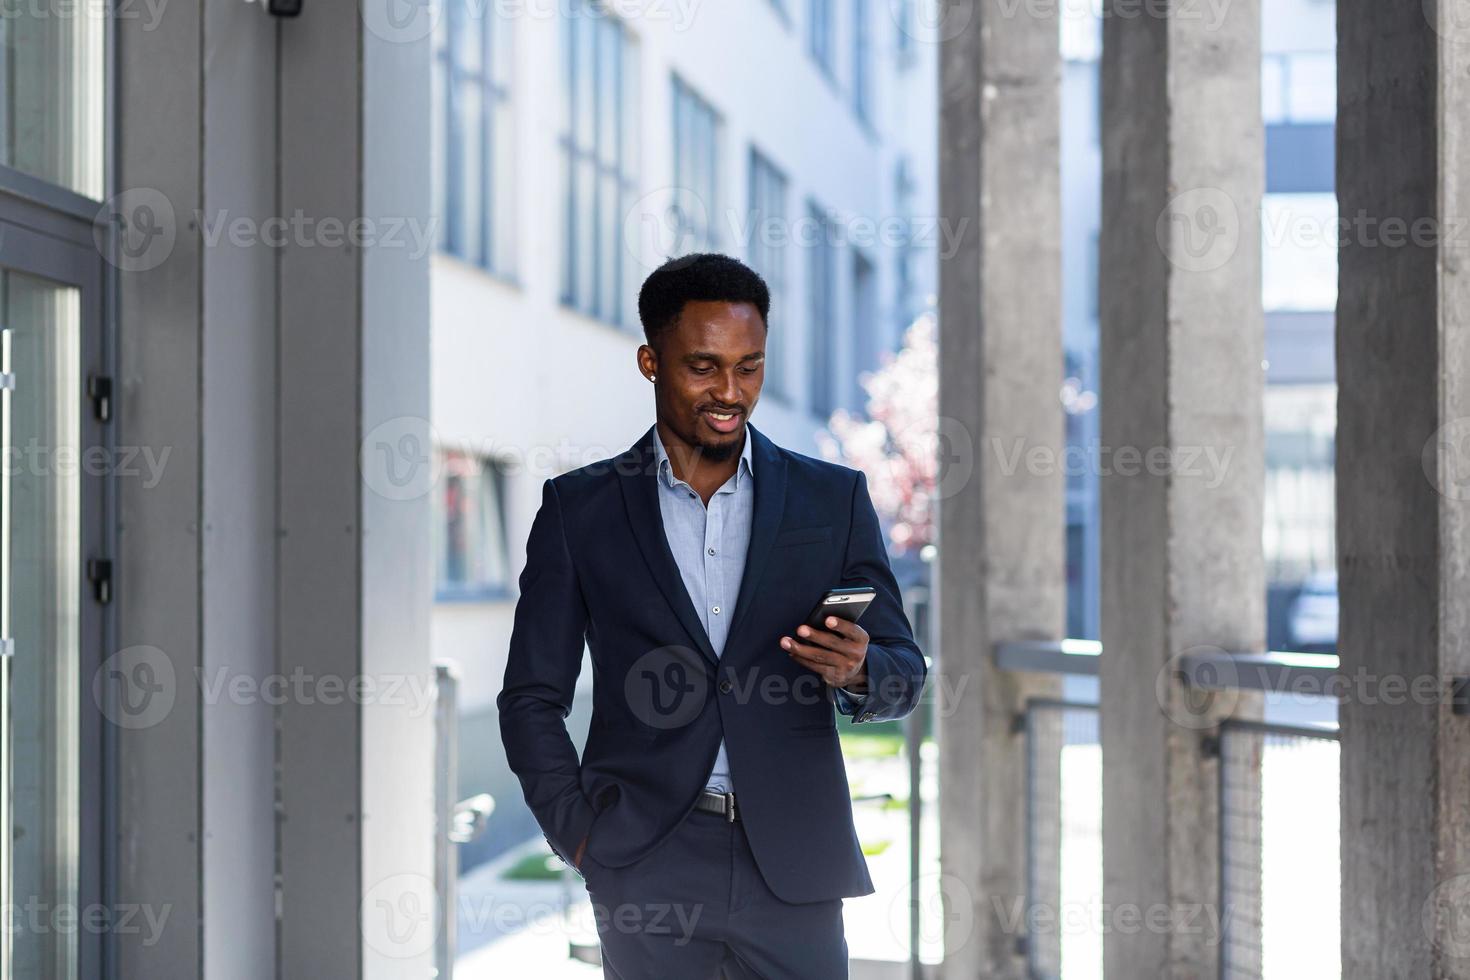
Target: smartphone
848,604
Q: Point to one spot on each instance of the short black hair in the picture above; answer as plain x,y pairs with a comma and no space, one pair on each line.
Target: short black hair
702,276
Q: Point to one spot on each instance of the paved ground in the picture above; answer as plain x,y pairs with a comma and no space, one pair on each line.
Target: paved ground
525,930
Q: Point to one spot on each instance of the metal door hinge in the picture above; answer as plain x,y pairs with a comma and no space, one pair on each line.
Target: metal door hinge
7,382
7,647
99,389
99,573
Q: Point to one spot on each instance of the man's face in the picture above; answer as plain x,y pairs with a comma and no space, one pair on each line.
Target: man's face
710,370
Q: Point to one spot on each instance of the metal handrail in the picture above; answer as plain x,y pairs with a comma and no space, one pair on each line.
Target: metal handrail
455,822
1277,671
469,818
1203,670
917,599
1077,657
446,764
1061,704
1324,731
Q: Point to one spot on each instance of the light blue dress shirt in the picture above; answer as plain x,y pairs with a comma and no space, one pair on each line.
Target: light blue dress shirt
709,546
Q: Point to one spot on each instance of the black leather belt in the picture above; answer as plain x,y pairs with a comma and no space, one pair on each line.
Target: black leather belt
721,803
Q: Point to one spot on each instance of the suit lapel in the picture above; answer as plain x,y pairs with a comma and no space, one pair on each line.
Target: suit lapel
770,501
638,476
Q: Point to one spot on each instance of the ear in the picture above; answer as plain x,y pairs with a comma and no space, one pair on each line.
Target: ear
647,361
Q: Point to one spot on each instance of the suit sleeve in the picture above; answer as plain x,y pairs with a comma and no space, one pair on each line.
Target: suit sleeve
546,643
896,666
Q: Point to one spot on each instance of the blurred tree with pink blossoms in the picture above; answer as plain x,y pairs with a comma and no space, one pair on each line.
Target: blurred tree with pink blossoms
898,446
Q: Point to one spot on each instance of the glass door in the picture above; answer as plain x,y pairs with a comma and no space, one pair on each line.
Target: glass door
56,464
54,469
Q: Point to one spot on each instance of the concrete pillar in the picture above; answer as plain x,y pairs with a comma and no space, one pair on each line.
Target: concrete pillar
1181,339
277,789
356,773
1001,509
1403,527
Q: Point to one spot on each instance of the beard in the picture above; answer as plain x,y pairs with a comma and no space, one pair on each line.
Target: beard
717,454
721,452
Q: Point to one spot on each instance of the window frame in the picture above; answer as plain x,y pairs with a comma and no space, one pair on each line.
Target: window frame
821,297
862,62
821,36
866,322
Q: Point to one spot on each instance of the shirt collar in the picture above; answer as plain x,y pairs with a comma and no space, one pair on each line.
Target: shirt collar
744,471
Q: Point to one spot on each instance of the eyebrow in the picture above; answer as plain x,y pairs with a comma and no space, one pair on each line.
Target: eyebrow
704,355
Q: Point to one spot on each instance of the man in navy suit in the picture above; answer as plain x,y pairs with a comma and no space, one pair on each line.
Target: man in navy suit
709,815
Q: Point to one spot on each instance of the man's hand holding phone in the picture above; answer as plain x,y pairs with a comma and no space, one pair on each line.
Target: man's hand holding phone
839,653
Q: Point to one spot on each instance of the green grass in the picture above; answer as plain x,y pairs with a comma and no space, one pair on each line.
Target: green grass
874,745
534,867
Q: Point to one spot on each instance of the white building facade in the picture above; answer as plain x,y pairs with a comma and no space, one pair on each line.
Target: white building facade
576,147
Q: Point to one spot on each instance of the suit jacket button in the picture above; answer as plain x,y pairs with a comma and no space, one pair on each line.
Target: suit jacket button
726,687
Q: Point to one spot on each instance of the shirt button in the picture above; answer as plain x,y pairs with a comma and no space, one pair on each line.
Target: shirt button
712,551
717,610
691,493
725,687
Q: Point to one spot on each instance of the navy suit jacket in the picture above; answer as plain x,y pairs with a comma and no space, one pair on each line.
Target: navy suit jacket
599,568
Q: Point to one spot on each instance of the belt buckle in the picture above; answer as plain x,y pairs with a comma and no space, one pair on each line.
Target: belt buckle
729,807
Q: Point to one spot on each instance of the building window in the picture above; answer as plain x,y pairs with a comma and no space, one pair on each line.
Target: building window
1081,33
819,34
1299,87
696,170
865,340
862,67
767,255
472,137
598,161
820,288
1298,272
471,556
53,102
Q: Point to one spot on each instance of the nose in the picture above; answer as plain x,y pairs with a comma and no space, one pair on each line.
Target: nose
728,391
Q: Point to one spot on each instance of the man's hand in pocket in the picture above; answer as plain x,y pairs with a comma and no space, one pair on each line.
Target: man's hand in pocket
581,851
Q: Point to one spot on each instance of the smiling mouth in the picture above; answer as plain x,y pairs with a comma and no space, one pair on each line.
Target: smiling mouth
722,422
